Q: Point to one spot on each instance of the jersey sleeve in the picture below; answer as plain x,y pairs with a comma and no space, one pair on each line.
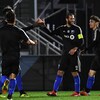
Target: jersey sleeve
31,27
80,39
23,36
57,31
95,42
28,28
54,32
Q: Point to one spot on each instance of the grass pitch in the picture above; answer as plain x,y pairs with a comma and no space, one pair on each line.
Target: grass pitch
62,95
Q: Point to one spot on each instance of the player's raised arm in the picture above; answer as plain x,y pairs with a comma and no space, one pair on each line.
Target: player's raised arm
39,22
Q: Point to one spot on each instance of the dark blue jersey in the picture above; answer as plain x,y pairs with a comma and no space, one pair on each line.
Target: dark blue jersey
10,39
3,22
72,36
96,42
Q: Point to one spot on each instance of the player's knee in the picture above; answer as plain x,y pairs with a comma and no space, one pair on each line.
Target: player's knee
12,76
92,73
60,73
74,74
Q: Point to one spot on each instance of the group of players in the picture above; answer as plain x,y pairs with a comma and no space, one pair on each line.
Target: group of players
11,37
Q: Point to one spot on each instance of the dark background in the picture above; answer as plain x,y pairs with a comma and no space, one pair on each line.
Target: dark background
42,73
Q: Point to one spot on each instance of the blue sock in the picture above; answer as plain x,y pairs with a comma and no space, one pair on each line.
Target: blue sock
57,83
19,82
12,86
1,85
77,83
2,80
90,82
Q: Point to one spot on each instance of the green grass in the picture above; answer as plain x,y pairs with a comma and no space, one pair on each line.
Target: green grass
62,95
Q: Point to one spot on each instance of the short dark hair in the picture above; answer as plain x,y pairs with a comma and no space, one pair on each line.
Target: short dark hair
6,9
10,16
69,14
95,18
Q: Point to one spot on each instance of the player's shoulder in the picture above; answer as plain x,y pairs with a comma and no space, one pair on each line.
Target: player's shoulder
18,28
77,26
60,26
98,30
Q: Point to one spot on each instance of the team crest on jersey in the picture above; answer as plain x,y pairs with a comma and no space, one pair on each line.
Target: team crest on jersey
72,37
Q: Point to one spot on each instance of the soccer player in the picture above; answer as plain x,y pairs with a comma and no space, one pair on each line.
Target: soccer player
10,39
95,66
38,23
72,40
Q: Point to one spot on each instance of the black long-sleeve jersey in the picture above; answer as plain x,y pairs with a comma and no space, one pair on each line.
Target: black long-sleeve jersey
2,23
30,27
10,39
96,42
24,28
72,36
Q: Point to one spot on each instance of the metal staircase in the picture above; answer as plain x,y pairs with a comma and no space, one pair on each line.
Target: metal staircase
43,44
46,45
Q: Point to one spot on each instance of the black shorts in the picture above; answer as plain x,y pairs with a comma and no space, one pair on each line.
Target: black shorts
10,66
69,62
95,63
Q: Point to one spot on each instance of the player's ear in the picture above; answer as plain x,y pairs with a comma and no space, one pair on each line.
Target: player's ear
97,24
66,20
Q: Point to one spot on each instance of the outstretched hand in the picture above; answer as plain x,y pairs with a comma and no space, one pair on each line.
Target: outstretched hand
31,42
40,22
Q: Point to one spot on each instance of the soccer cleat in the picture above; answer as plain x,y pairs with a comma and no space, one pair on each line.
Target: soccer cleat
76,94
52,93
5,86
23,94
84,93
2,96
9,97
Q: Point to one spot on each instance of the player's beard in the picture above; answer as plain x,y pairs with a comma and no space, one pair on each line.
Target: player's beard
70,23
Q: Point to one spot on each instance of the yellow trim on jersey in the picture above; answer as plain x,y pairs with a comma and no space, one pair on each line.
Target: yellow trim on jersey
80,36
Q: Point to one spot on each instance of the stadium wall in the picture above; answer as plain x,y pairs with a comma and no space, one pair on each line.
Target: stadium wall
39,72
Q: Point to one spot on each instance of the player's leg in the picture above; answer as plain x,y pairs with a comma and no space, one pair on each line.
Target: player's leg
57,83
59,76
90,82
13,72
20,85
5,83
2,80
76,78
91,76
0,86
12,85
74,67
